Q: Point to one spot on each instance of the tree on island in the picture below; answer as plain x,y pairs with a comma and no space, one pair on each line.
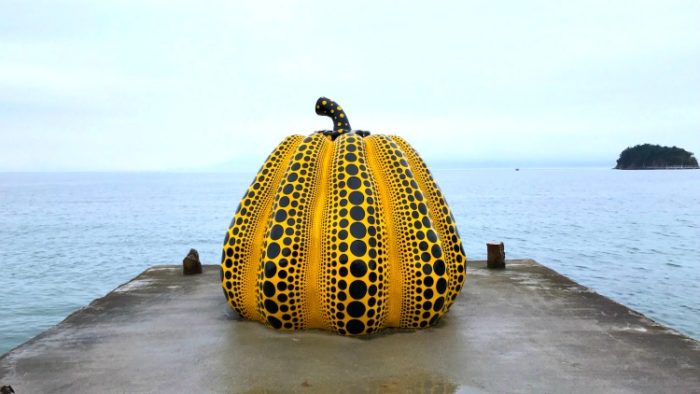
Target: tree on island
651,157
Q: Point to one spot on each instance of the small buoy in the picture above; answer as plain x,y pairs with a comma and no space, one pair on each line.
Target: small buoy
517,169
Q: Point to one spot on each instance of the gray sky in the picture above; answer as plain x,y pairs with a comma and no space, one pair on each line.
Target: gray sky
159,85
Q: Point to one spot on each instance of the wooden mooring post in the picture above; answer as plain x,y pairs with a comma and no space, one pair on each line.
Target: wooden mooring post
496,255
191,264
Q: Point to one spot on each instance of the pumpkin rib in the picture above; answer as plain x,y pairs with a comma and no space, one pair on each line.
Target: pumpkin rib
394,269
325,249
354,292
281,295
443,220
382,261
317,253
421,251
239,261
285,252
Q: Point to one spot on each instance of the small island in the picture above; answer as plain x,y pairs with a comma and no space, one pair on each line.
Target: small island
655,157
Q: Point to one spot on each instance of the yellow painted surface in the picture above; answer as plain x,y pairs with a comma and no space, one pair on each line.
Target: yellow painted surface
348,234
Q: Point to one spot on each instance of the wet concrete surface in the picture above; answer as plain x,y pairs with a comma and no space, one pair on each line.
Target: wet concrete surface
522,329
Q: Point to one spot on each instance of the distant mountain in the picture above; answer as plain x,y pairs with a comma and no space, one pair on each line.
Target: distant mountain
655,157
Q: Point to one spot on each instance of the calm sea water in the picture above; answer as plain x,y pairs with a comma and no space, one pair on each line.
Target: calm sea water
66,239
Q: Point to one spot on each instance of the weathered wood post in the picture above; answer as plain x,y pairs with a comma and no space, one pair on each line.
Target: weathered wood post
191,264
496,255
6,389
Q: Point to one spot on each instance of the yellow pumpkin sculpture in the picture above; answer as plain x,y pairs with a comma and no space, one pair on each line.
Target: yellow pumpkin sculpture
343,231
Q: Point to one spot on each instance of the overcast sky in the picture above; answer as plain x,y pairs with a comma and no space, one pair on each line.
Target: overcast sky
162,85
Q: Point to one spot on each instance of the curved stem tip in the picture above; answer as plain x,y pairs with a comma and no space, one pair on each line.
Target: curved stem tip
328,107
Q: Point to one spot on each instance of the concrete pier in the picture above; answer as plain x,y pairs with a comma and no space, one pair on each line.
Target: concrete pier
522,329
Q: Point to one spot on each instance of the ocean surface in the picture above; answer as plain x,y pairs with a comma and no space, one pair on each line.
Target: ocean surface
68,238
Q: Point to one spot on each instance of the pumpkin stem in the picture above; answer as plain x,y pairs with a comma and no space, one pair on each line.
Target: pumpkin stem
328,107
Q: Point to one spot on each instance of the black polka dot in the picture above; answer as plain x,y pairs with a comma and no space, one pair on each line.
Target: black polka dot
358,248
441,285
425,256
439,304
274,322
355,326
358,289
350,157
268,288
432,236
356,198
358,268
270,269
276,232
356,309
428,281
271,306
357,213
358,230
437,251
427,269
280,215
428,294
284,201
273,250
351,169
354,182
439,267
